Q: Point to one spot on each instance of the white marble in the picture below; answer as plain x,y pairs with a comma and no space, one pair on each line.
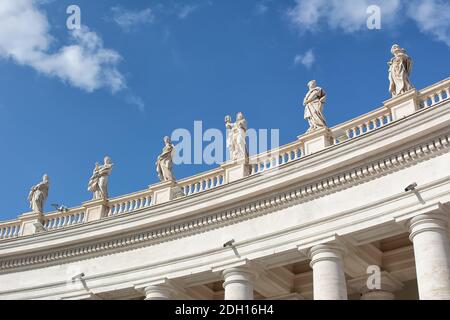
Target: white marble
400,67
313,102
38,194
236,137
159,292
328,272
239,283
429,234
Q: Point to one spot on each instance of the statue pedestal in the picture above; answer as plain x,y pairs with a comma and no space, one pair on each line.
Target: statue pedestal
316,140
403,105
32,223
235,170
166,191
95,209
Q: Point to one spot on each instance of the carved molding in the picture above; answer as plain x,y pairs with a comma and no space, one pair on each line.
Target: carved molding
396,161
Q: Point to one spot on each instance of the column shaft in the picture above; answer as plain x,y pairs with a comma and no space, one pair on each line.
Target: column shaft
328,272
429,235
239,283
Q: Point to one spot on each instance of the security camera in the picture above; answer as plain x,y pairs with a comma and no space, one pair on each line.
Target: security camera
411,187
78,276
228,243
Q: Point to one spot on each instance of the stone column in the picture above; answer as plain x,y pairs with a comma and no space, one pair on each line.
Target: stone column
239,282
159,292
328,272
429,234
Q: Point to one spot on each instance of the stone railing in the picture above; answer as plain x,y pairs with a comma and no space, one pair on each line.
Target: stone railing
129,203
203,182
361,125
273,158
58,220
392,110
434,94
9,229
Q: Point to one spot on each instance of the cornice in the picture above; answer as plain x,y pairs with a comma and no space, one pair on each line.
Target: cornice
308,191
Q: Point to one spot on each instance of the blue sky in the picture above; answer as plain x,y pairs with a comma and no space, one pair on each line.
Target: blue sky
140,69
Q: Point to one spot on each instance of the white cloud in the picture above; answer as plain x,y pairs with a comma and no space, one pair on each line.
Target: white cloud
345,15
307,59
25,38
432,17
135,101
128,19
185,10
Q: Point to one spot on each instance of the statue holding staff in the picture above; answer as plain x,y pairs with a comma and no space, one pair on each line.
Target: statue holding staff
38,194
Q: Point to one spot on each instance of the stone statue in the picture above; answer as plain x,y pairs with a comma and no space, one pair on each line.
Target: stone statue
400,68
236,134
165,162
98,183
314,102
38,194
93,183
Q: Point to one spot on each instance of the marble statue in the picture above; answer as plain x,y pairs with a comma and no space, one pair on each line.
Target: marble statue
93,183
98,183
400,68
38,194
314,102
165,162
236,134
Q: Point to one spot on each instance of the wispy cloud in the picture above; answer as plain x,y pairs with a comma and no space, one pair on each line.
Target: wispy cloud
185,10
345,15
431,16
84,63
133,100
307,59
130,19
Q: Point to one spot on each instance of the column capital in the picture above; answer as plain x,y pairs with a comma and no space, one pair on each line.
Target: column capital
160,289
239,274
239,282
427,222
329,251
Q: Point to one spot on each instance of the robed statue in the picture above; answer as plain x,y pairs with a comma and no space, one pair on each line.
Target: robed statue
236,137
313,103
98,183
165,162
400,67
38,194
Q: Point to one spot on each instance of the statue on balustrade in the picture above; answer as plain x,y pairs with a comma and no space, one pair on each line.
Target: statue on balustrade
236,134
165,162
400,68
314,102
98,183
38,194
